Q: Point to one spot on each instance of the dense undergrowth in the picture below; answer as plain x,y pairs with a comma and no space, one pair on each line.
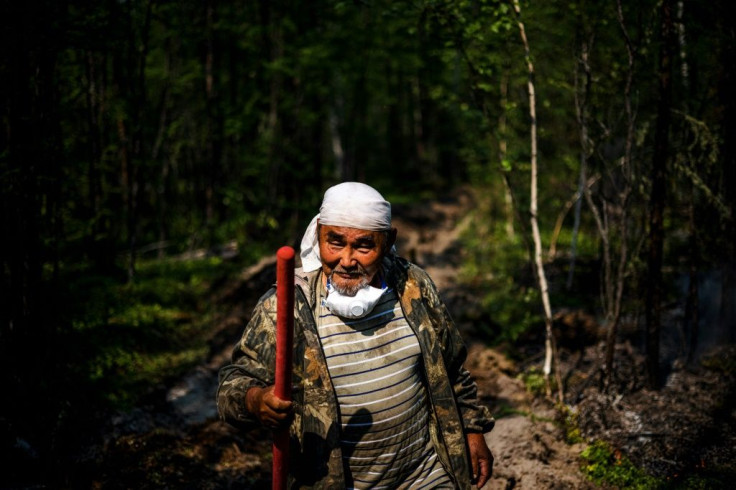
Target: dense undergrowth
130,337
497,265
604,465
497,262
608,467
117,344
134,337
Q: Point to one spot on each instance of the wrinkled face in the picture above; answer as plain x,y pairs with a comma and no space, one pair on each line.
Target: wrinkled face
351,257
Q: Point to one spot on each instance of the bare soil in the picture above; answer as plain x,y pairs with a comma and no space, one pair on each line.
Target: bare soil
686,428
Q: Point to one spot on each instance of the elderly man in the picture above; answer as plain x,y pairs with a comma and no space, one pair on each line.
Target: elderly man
381,397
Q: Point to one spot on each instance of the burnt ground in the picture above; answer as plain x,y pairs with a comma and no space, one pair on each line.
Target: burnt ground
174,439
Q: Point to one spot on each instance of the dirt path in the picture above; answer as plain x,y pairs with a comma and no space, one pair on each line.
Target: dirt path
528,445
177,442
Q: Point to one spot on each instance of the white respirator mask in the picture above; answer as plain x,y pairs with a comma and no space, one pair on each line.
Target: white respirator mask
353,307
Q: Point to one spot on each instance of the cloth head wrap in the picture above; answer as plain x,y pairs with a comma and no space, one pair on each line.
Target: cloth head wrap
350,204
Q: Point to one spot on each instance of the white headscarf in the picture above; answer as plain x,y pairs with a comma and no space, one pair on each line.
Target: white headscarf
349,204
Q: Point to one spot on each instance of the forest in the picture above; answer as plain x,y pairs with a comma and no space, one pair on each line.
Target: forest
153,149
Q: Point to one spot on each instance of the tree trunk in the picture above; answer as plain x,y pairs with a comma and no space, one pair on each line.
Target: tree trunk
508,199
692,318
581,98
130,126
275,50
162,187
657,201
334,119
549,344
30,193
682,44
727,34
214,125
95,156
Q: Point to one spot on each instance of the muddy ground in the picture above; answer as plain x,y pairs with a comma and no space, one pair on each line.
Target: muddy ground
688,427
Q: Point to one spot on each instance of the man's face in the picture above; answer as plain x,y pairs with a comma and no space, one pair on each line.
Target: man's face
352,257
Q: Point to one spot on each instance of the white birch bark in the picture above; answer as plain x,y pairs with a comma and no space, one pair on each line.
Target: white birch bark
549,356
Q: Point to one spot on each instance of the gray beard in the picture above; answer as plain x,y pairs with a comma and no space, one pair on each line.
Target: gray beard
351,290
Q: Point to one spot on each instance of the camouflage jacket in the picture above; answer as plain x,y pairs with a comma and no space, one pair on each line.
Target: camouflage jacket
316,459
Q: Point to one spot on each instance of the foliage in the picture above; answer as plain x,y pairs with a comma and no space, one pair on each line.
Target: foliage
493,264
497,265
608,467
130,337
605,465
572,428
534,381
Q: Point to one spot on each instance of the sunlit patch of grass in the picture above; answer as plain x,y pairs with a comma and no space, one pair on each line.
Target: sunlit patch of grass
607,466
123,375
571,426
534,382
132,337
138,315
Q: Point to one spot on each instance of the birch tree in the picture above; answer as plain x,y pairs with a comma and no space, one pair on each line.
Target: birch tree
549,343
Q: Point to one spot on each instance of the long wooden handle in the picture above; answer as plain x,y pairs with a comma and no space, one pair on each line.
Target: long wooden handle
284,344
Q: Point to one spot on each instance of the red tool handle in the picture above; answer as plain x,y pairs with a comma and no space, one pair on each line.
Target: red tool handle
284,343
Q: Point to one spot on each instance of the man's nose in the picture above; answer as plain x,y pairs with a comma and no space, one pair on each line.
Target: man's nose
347,258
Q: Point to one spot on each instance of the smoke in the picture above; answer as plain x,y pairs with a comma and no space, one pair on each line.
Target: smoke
716,319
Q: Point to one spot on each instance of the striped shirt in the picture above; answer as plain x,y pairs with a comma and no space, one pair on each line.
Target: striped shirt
375,366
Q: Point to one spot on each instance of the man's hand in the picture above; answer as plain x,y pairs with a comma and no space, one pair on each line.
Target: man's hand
481,459
272,411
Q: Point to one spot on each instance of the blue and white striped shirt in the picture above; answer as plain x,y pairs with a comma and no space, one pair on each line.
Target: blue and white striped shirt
375,366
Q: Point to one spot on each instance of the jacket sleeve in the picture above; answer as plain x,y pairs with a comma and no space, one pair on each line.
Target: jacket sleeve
252,364
476,417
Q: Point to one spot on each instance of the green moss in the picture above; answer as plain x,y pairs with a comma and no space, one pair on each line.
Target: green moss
606,466
534,381
572,429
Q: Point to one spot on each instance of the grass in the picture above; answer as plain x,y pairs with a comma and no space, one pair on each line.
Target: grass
605,465
534,382
608,467
129,338
498,266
